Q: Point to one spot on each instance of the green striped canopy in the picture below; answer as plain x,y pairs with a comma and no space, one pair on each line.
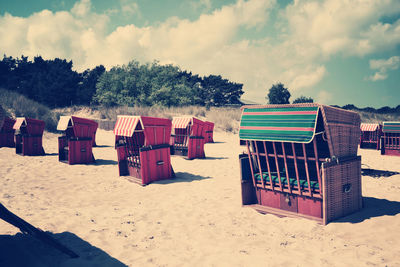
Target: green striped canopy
283,124
391,127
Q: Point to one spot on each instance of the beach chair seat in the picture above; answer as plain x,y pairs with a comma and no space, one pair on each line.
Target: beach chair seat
293,182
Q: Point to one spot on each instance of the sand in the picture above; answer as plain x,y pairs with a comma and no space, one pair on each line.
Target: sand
193,220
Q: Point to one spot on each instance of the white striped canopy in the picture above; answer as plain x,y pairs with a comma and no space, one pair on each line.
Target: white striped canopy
369,127
18,123
125,125
181,122
63,123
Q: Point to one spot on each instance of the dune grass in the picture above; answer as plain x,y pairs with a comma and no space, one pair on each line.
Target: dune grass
17,105
225,119
370,117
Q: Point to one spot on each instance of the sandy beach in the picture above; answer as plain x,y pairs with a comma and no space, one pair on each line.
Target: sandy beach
195,219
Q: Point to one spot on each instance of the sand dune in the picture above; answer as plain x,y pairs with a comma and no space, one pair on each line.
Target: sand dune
195,219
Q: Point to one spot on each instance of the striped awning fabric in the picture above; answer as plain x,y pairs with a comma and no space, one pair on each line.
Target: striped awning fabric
18,123
282,124
125,125
181,122
391,127
369,127
63,123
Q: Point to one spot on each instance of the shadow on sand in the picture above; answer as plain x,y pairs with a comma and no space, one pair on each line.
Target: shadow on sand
377,173
211,158
105,162
24,250
182,177
373,207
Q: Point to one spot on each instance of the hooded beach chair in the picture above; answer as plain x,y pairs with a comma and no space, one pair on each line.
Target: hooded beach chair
28,136
188,137
390,141
7,132
2,116
370,135
209,132
143,150
75,146
301,160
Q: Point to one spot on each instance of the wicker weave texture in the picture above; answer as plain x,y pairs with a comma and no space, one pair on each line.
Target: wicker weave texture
342,130
342,189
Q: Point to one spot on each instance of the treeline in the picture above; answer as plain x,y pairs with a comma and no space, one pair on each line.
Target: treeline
382,110
55,84
279,94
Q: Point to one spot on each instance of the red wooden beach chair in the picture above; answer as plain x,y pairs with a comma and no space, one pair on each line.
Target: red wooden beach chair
370,135
301,160
75,144
95,126
143,150
209,132
390,141
2,116
188,137
28,136
7,133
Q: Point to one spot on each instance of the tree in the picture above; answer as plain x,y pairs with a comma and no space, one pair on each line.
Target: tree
87,85
350,107
7,65
50,82
165,85
303,99
216,91
54,83
278,94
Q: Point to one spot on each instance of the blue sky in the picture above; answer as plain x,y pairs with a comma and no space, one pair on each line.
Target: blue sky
336,51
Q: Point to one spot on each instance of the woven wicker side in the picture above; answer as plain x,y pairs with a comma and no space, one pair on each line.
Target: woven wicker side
342,130
342,189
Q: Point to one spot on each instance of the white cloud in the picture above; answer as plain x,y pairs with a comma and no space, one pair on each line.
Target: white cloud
81,8
129,8
307,79
348,27
383,66
324,97
309,32
201,4
378,76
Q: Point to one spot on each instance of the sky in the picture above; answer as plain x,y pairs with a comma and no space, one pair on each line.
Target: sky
335,51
